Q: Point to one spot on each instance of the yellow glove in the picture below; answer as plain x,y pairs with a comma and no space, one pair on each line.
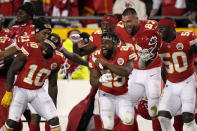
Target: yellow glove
7,99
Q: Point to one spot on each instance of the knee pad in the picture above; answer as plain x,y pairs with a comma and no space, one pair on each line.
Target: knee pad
11,124
187,117
108,122
127,118
152,106
54,121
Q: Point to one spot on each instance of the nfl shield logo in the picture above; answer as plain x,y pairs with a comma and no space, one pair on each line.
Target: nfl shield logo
120,61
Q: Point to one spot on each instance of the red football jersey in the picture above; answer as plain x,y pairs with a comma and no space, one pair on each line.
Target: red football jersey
132,41
30,38
118,84
24,39
37,68
177,58
95,38
5,42
20,30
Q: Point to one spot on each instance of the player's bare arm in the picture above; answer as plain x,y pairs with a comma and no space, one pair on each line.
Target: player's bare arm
94,77
53,86
16,66
86,49
8,53
119,70
74,57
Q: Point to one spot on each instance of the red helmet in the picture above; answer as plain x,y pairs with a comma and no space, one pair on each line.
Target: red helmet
149,41
142,109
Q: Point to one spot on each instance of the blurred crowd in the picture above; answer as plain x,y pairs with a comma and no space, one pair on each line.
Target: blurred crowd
145,9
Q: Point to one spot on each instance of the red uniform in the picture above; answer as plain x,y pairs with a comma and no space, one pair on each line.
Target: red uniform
95,38
153,67
37,68
20,30
177,58
5,42
30,38
132,41
119,86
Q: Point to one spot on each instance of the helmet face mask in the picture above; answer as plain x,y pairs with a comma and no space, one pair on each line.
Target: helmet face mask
149,43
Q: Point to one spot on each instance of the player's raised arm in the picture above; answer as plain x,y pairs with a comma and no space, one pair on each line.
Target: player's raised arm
74,57
83,46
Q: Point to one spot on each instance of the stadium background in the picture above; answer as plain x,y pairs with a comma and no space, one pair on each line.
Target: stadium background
64,31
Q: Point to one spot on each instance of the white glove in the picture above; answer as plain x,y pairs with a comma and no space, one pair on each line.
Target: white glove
145,54
75,38
105,78
116,77
63,69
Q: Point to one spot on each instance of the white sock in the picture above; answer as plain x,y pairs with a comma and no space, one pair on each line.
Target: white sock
5,128
191,126
166,124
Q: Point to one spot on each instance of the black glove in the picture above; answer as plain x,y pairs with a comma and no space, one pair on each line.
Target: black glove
85,36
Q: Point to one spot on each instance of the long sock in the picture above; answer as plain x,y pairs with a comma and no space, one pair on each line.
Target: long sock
97,123
33,127
126,127
47,127
178,123
5,128
156,125
135,125
166,124
191,126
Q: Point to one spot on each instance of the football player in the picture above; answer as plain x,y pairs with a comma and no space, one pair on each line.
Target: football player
147,80
110,68
178,53
34,64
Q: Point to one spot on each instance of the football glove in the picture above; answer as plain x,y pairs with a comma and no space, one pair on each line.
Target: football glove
7,99
146,55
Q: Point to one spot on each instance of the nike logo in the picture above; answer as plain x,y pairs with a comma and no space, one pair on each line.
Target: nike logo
188,82
152,75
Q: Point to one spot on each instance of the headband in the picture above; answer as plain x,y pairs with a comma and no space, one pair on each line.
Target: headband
110,19
167,22
50,43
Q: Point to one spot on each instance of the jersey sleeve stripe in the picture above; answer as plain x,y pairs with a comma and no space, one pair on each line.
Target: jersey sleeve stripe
132,56
17,47
193,42
24,51
91,38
